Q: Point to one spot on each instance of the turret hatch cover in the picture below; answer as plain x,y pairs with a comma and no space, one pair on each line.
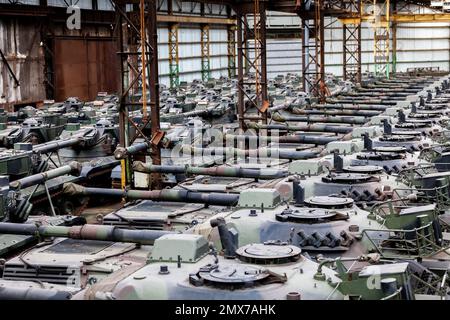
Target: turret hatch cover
305,214
233,274
406,133
348,178
364,169
390,149
268,253
329,202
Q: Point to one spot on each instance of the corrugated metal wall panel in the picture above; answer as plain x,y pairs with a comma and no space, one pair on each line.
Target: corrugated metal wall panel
419,44
190,52
62,3
20,44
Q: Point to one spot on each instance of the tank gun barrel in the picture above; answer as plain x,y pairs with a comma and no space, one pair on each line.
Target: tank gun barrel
170,195
56,145
373,95
84,232
350,107
222,171
257,153
305,139
361,100
306,127
122,152
334,119
195,113
72,168
338,112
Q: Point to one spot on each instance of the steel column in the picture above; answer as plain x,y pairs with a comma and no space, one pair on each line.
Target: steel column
174,58
381,25
231,51
394,38
313,53
132,36
241,100
205,52
352,42
156,133
252,49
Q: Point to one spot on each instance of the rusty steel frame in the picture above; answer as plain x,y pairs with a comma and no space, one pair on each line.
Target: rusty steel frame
129,35
352,42
231,51
313,49
252,52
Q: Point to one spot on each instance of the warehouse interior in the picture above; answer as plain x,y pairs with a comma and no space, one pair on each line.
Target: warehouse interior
209,150
34,37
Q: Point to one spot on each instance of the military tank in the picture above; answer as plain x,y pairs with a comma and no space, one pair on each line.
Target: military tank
35,130
96,141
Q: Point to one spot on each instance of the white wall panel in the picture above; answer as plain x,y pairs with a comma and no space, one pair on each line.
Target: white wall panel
419,44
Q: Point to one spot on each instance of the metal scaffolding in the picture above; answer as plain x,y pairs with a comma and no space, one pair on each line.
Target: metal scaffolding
252,49
352,42
381,26
205,50
313,53
174,58
137,37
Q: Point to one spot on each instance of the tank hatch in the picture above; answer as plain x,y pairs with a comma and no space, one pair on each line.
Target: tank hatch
329,202
268,253
305,214
349,178
406,133
390,149
364,169
234,276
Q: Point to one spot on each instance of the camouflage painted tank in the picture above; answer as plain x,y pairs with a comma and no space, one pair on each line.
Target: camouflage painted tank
359,182
33,130
182,267
77,256
97,141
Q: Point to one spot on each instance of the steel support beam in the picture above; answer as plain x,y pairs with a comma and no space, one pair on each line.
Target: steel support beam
205,53
231,51
156,133
121,29
143,75
174,58
313,49
405,17
352,43
394,38
382,35
251,41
